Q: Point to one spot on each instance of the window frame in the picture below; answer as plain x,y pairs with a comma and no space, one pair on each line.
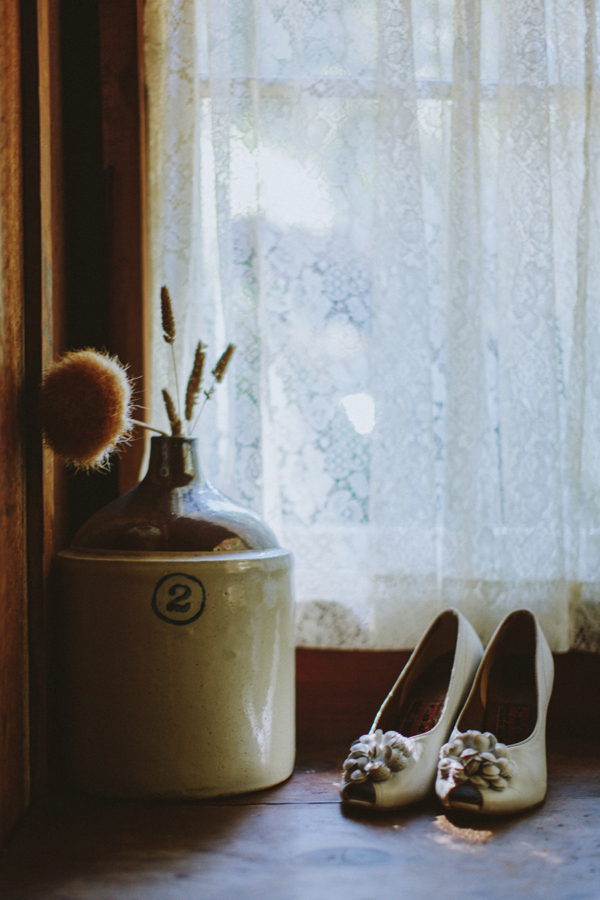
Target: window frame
338,690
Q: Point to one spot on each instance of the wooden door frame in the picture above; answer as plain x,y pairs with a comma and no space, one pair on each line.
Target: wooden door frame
44,329
31,274
35,329
14,738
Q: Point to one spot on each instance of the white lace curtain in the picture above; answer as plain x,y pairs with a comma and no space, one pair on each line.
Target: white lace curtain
393,209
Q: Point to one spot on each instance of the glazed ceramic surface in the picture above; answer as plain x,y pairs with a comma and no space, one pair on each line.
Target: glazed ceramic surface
180,671
174,508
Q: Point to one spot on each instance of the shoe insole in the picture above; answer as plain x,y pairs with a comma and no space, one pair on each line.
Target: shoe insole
424,701
511,699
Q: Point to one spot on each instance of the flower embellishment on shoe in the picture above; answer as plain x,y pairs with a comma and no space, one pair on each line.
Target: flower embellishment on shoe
476,758
376,757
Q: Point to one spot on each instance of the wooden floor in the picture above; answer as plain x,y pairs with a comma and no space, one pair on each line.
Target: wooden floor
295,842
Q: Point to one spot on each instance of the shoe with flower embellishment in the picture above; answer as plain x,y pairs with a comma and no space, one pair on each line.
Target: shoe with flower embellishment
495,760
395,763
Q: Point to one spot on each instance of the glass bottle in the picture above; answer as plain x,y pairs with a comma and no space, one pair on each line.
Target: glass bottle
174,508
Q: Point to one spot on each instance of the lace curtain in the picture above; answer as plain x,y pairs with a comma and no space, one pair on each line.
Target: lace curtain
393,209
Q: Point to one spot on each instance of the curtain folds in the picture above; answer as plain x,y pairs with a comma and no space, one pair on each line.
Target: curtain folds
392,208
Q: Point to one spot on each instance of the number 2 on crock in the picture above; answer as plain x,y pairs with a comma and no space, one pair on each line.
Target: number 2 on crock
179,599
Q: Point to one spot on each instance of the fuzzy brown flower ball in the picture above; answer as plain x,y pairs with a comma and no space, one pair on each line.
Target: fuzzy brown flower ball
85,407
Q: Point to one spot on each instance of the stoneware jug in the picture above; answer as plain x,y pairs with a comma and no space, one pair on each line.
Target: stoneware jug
178,618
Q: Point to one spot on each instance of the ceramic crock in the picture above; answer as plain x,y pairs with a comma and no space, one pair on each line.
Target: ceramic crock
179,662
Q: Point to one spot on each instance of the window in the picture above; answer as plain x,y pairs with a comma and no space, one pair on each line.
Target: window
392,209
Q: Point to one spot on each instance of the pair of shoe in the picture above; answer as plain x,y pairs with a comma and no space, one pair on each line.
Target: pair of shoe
494,758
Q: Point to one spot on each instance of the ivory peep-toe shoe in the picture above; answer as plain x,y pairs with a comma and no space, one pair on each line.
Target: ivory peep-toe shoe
495,760
395,763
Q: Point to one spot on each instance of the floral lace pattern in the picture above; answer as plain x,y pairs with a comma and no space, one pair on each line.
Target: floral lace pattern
393,209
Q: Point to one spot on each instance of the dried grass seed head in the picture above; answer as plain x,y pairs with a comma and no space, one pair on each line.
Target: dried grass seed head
224,360
168,319
85,407
194,382
174,419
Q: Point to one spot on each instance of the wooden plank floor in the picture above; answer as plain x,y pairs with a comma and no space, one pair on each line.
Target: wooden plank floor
295,842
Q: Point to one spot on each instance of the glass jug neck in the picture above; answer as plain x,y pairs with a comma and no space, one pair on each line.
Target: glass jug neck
174,462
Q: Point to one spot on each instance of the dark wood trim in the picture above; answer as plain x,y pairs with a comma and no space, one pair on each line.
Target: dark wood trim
123,128
86,254
339,692
14,776
44,322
